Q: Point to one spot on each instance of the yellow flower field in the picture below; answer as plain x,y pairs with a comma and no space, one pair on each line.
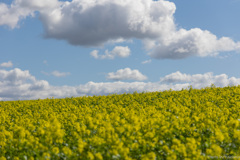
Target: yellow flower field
188,124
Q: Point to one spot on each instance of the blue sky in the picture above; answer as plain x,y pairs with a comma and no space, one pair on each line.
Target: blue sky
52,48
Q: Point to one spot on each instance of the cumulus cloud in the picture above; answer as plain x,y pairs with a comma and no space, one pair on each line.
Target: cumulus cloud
6,64
15,76
18,84
195,42
91,23
57,73
94,54
176,78
200,80
10,15
118,51
95,23
126,74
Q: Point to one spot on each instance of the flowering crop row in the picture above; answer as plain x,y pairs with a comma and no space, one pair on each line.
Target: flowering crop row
187,124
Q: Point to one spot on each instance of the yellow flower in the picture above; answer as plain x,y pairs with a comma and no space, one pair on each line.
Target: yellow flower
46,155
90,155
214,151
114,152
55,150
67,151
151,156
98,156
219,136
135,146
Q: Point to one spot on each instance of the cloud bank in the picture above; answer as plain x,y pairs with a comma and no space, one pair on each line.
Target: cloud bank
95,23
17,84
200,80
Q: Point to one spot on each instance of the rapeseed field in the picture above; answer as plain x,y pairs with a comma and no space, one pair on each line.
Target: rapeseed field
187,124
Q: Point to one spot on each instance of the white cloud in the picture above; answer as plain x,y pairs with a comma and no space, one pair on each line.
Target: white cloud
118,51
10,15
60,74
95,23
6,64
176,77
126,74
15,76
18,84
195,42
147,61
98,22
94,54
200,80
57,73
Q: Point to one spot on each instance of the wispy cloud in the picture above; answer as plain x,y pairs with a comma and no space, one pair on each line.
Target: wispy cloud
6,64
60,74
57,73
147,61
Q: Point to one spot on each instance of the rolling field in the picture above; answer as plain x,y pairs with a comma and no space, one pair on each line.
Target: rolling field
187,124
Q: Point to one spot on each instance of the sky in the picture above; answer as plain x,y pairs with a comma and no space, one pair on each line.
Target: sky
52,48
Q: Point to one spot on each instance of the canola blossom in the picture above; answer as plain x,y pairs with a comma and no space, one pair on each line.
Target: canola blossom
188,124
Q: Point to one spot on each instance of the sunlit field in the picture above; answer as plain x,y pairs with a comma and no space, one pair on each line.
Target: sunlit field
187,124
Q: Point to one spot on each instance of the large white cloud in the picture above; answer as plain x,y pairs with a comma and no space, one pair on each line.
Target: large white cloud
126,74
92,23
118,51
18,84
97,22
195,42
